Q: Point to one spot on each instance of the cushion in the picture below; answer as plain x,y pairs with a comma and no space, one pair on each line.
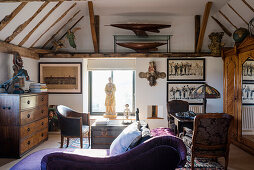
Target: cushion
128,138
146,134
161,131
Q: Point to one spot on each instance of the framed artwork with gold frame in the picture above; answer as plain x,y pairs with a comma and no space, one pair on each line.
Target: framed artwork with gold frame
61,77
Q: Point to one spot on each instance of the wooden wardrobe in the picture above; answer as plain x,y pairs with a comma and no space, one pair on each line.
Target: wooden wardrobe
234,58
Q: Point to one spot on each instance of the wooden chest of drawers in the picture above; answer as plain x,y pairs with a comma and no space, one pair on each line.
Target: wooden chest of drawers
103,135
23,123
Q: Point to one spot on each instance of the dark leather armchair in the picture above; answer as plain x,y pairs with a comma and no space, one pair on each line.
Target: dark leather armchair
175,106
73,124
210,137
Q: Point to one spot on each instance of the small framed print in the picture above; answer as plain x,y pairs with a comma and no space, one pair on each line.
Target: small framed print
248,71
248,93
186,69
61,78
183,91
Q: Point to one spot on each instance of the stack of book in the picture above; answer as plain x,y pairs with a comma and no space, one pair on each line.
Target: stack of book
102,121
38,88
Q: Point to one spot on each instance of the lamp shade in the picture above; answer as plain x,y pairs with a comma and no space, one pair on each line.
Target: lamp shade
206,91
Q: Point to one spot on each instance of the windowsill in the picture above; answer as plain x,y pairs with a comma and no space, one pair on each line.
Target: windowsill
94,117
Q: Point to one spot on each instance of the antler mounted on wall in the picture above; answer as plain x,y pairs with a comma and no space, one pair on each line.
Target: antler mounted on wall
152,75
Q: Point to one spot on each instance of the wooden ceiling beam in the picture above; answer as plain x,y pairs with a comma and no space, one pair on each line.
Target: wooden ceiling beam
227,19
121,55
222,26
53,36
248,5
21,27
197,30
69,29
92,25
233,9
59,19
24,52
41,21
7,19
6,1
203,26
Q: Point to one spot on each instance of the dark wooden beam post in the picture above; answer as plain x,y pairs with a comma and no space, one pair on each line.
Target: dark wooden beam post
203,26
92,25
248,5
197,30
97,29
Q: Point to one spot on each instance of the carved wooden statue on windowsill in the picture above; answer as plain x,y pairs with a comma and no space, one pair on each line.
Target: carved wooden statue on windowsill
152,75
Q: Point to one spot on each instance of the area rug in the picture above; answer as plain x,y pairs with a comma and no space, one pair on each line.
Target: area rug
75,143
202,164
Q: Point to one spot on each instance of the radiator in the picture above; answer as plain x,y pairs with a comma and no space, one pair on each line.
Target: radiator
248,120
196,108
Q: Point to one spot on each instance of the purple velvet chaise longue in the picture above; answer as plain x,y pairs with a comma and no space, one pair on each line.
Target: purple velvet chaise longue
162,152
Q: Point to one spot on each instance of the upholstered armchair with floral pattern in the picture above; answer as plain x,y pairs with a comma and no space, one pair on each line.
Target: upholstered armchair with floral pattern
210,137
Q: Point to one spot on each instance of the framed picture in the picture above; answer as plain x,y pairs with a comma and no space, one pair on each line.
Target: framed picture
183,91
248,93
186,69
248,70
61,78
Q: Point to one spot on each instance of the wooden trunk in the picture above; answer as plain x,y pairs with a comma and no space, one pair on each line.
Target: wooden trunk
23,123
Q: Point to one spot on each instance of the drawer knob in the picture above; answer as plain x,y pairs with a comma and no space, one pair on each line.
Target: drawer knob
28,115
42,99
42,123
29,142
42,111
42,135
9,108
28,102
4,107
28,129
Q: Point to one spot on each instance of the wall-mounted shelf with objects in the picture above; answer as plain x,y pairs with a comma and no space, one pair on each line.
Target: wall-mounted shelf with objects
142,40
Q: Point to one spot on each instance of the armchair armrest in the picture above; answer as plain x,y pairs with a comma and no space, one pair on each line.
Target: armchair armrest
187,131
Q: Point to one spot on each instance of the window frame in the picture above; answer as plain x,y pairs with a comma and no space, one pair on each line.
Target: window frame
90,78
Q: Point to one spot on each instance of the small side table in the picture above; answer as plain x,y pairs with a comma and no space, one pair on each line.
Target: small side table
181,122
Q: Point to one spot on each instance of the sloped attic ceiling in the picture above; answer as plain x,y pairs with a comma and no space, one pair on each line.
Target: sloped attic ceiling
111,8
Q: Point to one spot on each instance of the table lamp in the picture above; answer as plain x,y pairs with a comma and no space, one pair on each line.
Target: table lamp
205,92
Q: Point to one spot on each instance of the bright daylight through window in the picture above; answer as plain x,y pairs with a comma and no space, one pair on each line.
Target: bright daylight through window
124,81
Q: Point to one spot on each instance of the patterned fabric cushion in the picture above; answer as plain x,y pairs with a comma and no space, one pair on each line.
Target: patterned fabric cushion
162,132
127,138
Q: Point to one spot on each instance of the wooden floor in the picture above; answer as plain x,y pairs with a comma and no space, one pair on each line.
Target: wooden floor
250,137
238,159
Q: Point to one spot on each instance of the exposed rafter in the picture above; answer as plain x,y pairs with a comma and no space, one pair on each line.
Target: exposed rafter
59,19
92,25
248,5
203,26
227,19
70,29
53,36
121,55
21,27
38,0
7,19
41,21
24,52
237,14
222,26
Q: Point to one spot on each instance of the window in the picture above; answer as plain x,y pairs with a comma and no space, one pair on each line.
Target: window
124,81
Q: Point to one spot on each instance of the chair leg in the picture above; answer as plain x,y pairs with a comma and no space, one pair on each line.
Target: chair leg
67,142
89,138
192,161
226,161
62,139
81,142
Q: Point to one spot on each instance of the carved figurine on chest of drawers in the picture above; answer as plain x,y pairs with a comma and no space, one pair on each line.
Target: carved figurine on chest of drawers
23,123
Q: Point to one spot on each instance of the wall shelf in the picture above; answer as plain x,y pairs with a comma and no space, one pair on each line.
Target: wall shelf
149,38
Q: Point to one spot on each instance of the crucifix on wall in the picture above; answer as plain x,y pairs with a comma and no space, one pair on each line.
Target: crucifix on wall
152,75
